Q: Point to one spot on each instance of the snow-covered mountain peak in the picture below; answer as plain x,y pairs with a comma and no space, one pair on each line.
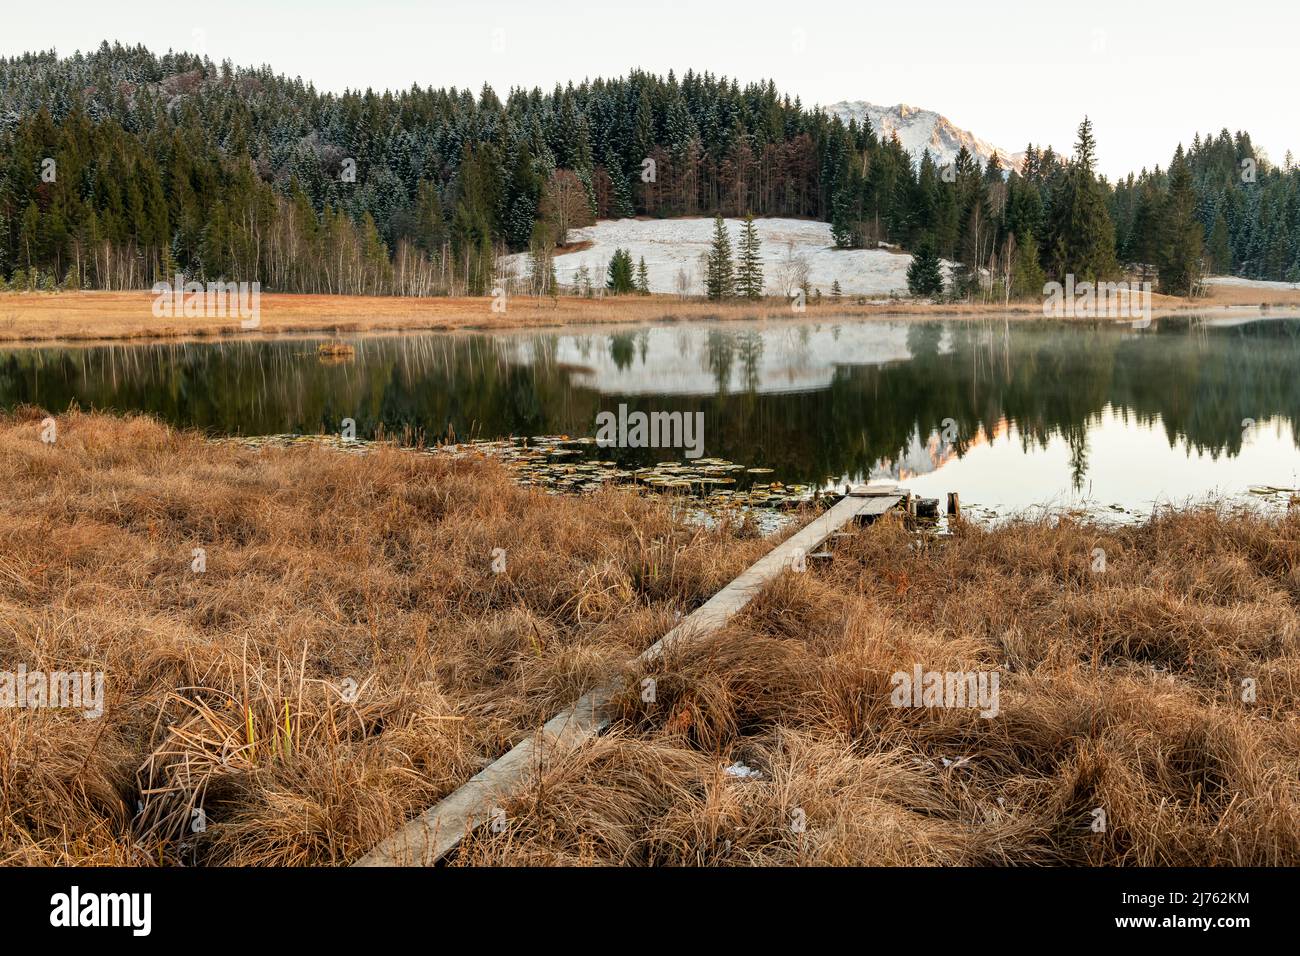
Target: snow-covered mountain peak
921,129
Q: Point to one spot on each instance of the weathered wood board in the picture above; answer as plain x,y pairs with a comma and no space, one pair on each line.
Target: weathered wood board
437,830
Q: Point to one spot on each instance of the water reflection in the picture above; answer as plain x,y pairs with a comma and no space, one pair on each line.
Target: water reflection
1022,411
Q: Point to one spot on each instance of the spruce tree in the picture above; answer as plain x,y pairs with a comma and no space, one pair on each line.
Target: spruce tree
1144,233
619,278
1220,249
642,278
1183,236
521,200
719,272
749,266
451,180
430,231
843,231
925,274
1027,278
621,200
1081,237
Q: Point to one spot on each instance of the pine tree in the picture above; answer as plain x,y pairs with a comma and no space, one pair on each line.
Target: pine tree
925,274
642,278
1220,249
836,292
621,202
974,229
749,271
1081,237
619,279
843,228
244,180
430,231
1183,236
1144,233
1027,278
719,281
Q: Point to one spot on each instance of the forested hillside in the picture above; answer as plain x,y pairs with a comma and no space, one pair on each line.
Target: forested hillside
119,168
1248,211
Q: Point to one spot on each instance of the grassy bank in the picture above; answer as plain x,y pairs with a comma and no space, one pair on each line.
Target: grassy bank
349,656
89,316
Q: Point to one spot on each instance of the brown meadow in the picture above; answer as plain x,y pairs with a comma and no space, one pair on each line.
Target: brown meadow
348,657
107,316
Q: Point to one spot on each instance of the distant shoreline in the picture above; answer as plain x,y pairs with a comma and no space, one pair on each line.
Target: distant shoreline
31,318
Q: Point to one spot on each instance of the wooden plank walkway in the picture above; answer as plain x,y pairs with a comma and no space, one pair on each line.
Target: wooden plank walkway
429,837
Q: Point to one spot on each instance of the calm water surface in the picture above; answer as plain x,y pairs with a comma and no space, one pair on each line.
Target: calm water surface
1010,414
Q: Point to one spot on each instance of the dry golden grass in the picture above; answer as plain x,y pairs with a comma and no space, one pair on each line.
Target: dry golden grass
320,567
1228,295
90,316
1119,691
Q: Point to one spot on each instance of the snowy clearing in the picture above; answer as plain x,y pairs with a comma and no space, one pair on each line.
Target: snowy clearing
671,246
1250,283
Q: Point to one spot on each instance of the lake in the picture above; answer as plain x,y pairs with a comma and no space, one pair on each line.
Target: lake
1010,414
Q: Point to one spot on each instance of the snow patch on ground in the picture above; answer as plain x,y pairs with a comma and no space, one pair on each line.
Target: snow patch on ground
1251,283
673,245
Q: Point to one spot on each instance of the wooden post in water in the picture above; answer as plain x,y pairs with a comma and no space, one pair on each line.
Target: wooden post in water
954,505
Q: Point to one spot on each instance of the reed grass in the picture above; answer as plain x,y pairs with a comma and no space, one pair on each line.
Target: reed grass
348,657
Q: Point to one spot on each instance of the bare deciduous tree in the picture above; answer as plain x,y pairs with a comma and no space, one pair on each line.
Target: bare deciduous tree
792,272
564,204
683,283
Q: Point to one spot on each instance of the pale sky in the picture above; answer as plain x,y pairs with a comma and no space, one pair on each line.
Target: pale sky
1150,73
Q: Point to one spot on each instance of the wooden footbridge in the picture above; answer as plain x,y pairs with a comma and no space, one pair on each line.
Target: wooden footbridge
436,831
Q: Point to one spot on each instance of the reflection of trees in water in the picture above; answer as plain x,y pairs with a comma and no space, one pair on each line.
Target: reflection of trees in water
749,349
923,339
1203,383
791,352
724,350
719,353
1200,382
623,349
624,346
685,343
1076,438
